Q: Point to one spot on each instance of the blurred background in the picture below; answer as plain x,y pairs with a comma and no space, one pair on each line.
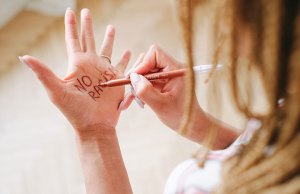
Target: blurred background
37,149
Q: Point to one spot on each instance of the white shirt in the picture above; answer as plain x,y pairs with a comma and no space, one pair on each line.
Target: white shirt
189,178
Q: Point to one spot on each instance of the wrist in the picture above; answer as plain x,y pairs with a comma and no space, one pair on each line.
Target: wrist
101,159
95,132
211,132
199,124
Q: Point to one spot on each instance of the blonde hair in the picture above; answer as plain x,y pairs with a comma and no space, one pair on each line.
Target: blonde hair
186,19
270,163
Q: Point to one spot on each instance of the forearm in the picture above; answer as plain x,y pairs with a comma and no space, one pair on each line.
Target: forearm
102,163
204,127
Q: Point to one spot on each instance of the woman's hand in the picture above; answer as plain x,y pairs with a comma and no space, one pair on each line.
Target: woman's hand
92,110
79,95
165,97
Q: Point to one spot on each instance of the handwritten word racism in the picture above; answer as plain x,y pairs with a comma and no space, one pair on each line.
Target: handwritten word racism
88,85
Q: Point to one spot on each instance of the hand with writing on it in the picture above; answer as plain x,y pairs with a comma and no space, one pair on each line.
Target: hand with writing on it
79,95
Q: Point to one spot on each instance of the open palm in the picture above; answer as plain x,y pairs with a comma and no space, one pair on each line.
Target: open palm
79,95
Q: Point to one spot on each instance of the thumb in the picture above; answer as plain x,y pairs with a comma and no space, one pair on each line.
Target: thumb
146,92
50,81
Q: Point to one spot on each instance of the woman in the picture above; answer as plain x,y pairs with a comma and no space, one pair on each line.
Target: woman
267,164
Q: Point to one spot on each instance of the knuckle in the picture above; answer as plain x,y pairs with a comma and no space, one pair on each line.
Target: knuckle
154,46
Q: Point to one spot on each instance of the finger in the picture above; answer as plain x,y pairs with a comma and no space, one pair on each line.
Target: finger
156,60
87,32
71,35
150,61
121,66
136,98
50,81
159,81
108,42
126,102
147,93
137,62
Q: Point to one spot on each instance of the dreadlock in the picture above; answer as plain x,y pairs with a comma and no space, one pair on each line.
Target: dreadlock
186,19
270,163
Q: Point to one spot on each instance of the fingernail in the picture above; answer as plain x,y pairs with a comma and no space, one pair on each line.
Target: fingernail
121,105
137,99
134,78
85,13
68,8
110,28
24,62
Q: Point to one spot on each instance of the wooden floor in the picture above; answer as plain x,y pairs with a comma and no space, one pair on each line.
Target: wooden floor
37,147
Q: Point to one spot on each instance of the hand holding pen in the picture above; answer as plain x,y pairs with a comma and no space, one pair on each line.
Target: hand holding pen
166,99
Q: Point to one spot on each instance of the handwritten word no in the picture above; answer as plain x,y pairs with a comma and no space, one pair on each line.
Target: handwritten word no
85,84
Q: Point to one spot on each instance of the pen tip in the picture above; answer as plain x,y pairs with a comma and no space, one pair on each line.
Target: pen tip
103,84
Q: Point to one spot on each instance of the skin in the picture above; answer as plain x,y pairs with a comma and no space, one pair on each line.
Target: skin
93,119
167,99
85,105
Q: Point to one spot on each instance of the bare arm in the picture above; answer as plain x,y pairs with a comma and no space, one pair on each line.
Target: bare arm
102,162
92,110
203,123
166,99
